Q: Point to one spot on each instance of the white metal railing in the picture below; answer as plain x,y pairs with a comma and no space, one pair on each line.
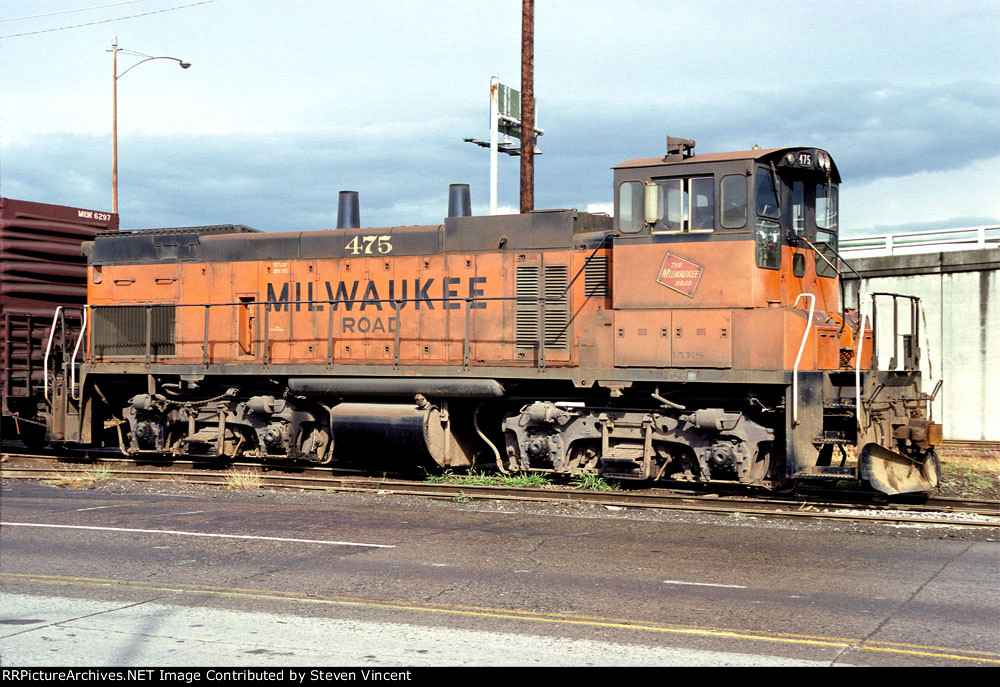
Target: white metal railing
48,350
76,351
798,358
933,240
58,320
863,301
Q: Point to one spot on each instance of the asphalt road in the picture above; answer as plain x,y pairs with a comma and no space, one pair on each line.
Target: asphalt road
134,575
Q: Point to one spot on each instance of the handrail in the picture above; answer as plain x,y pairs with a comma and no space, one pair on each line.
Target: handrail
76,349
48,350
863,301
290,306
798,358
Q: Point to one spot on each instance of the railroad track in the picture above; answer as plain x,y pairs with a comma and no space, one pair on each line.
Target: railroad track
971,445
809,505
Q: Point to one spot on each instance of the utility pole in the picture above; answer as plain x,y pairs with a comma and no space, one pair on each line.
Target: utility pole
513,114
527,106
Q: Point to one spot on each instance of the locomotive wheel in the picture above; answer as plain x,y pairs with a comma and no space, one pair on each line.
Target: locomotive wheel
760,471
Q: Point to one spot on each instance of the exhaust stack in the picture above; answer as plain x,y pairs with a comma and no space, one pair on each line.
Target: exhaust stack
348,212
459,201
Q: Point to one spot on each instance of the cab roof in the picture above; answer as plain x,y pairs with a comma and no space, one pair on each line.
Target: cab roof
774,154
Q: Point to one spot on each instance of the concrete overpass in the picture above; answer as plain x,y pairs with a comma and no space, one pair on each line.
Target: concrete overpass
956,276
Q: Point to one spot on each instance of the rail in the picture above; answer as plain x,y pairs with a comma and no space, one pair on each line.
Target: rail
48,351
911,341
59,322
986,236
863,300
76,351
868,301
264,311
798,358
810,504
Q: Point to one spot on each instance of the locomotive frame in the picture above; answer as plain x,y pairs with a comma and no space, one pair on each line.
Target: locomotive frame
697,335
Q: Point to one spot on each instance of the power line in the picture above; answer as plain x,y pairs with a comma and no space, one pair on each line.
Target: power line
78,9
108,21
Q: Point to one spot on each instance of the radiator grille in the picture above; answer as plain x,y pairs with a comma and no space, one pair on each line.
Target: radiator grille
596,276
556,306
121,330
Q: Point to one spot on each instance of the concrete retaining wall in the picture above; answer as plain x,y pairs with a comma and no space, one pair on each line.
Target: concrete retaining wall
960,343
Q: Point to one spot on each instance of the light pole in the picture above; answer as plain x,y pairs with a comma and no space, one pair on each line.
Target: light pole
114,103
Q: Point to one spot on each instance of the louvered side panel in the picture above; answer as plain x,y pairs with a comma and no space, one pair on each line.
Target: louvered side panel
556,306
526,334
596,277
121,330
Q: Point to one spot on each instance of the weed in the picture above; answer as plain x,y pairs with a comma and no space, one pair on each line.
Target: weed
444,477
57,479
978,479
737,516
99,472
81,480
479,478
981,461
592,482
462,497
529,479
243,479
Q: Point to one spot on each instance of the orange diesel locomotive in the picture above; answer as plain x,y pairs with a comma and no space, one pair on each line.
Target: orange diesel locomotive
698,335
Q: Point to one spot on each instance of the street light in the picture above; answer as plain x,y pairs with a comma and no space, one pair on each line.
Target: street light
114,98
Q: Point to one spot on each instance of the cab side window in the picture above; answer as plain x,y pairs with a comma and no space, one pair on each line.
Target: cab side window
767,194
733,190
768,244
767,191
685,205
702,204
826,229
799,208
631,204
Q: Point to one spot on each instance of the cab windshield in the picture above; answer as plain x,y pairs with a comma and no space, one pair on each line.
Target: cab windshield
794,203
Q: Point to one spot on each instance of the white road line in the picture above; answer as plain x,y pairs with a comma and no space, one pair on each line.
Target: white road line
80,510
705,584
197,534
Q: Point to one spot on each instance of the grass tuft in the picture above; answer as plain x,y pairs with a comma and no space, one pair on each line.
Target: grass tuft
479,478
243,479
81,480
591,482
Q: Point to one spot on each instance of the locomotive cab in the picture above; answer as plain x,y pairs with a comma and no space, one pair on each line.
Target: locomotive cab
784,200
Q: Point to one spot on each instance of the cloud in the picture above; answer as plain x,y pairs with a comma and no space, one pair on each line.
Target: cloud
872,129
276,181
279,180
925,200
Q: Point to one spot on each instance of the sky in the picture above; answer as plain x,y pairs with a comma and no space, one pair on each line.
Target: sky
288,102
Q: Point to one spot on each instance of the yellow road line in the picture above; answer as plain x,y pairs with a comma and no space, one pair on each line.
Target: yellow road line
527,615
